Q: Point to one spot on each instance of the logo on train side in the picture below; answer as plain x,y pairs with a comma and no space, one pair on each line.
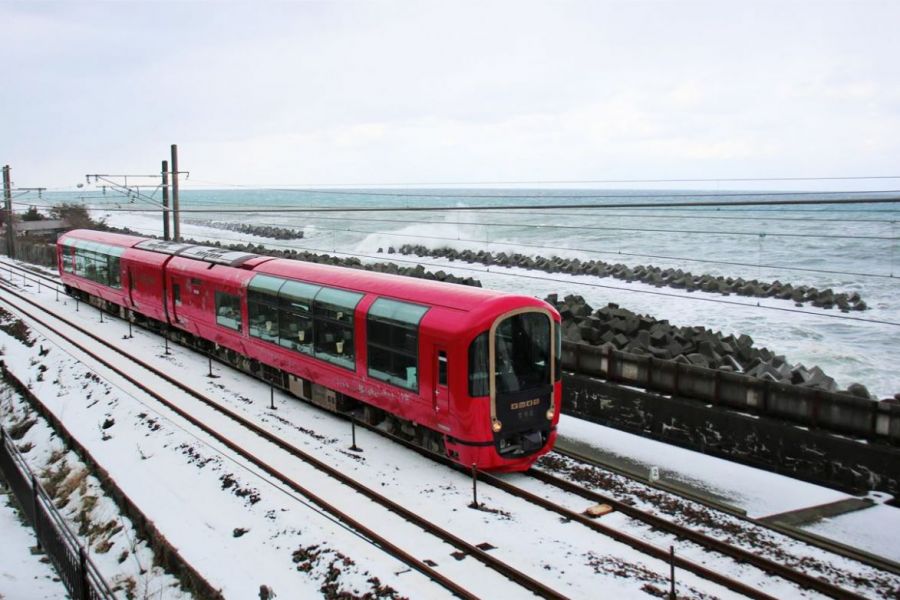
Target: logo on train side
524,404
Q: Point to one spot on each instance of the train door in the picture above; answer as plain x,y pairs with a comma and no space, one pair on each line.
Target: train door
440,369
176,300
130,275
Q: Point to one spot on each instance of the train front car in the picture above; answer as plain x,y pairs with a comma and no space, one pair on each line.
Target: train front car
513,375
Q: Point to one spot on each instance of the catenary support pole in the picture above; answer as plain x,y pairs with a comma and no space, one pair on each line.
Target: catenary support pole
7,207
165,200
176,215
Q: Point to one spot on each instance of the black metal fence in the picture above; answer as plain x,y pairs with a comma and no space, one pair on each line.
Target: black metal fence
77,572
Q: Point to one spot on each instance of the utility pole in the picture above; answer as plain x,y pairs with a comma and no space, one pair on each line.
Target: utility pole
7,205
176,225
165,199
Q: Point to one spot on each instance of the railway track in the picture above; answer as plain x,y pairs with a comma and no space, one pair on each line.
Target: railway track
772,567
849,552
511,573
801,579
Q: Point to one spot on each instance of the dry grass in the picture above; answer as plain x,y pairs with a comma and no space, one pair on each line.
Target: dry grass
52,478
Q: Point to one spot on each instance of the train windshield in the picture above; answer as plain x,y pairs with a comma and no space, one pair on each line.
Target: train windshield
522,352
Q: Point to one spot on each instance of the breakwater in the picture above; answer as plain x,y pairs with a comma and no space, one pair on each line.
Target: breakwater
268,231
619,329
352,262
649,274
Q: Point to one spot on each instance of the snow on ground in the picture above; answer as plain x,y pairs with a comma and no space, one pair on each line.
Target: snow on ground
127,563
743,486
23,574
180,477
874,529
758,492
239,530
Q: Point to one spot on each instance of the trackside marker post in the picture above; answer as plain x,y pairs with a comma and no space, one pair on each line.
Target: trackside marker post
353,447
672,572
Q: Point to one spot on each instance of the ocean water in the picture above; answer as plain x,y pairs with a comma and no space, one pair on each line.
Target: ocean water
849,248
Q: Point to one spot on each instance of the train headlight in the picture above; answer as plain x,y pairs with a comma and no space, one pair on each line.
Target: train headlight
496,426
551,412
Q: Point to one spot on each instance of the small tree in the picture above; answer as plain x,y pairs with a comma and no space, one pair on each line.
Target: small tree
76,216
32,214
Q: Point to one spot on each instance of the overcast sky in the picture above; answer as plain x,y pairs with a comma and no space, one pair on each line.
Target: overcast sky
418,91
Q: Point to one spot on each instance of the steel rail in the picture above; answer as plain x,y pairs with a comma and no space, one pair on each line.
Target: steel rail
636,543
814,541
866,558
546,592
708,542
739,554
508,571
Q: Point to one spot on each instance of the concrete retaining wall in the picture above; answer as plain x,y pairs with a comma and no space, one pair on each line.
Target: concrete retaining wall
839,413
767,443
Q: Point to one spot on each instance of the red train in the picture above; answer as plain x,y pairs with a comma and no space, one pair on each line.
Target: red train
470,372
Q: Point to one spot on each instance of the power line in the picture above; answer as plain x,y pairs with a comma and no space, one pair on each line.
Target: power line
517,207
639,229
571,181
619,195
596,285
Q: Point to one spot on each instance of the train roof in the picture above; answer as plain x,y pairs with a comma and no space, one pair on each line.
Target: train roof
435,293
208,254
412,289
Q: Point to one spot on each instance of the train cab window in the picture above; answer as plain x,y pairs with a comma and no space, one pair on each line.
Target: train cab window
228,310
479,384
522,352
557,371
262,307
392,341
176,294
333,325
295,319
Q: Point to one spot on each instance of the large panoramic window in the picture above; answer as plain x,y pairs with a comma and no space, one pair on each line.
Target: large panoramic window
262,307
393,349
303,317
333,325
295,315
228,310
94,261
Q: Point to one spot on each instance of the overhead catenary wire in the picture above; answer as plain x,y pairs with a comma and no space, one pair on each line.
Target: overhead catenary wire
575,181
518,207
499,242
555,280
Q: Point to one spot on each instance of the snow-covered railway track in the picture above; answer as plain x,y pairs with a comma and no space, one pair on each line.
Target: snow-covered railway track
592,470
719,572
678,532
201,412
